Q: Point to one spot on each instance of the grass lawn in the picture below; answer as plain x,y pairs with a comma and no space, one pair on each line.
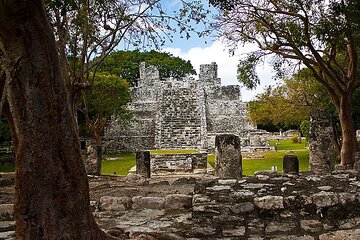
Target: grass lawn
120,165
274,158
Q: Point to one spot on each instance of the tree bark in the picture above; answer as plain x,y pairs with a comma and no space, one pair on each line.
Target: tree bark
51,188
348,142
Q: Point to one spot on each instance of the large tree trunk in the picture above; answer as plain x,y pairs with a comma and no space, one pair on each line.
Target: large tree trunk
348,146
51,188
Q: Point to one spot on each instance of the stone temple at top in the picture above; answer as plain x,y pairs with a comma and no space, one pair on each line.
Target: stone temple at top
184,113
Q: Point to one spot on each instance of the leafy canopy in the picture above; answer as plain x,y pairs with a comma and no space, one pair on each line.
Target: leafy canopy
126,64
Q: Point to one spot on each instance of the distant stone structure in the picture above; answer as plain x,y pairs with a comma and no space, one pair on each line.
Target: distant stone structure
179,113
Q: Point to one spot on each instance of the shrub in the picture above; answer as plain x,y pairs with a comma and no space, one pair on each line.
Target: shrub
294,139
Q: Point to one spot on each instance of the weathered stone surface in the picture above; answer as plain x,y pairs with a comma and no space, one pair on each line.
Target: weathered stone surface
279,227
311,225
143,163
148,202
292,237
135,179
179,163
291,164
321,143
6,226
349,223
108,203
353,234
6,212
91,161
228,156
174,113
269,202
242,207
325,199
178,201
234,232
7,235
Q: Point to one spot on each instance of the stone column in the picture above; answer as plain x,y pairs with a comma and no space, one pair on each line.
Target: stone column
291,164
228,156
321,142
143,163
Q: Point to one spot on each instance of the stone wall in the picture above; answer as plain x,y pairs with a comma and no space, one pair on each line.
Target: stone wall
179,119
178,163
265,206
279,207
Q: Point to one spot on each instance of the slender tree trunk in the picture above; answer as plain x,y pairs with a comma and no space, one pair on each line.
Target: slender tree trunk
51,188
348,143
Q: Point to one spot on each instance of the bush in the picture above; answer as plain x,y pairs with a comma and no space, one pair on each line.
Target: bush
294,139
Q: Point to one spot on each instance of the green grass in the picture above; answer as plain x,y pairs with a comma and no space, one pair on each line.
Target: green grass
124,161
272,158
120,166
288,145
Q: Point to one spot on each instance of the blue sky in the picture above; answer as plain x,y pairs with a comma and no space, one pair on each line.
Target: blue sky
207,50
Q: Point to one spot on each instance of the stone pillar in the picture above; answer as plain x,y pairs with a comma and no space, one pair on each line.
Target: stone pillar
291,164
228,156
143,163
91,164
321,142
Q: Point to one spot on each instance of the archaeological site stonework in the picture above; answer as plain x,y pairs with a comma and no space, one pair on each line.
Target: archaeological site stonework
182,113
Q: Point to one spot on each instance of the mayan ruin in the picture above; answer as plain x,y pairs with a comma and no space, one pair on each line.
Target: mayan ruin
180,113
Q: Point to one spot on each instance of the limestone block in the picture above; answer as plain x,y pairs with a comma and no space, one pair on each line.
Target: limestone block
234,232
108,203
148,202
292,237
136,179
325,199
178,201
349,223
242,208
269,202
143,163
321,143
228,156
345,198
7,235
291,164
6,226
349,234
6,212
279,227
311,225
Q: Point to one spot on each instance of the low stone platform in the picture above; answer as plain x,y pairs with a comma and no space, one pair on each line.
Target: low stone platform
265,206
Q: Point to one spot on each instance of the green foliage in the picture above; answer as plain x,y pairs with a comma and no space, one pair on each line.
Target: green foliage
246,71
126,64
107,96
305,128
294,139
289,104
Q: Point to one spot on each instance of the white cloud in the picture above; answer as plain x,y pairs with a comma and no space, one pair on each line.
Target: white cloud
227,65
